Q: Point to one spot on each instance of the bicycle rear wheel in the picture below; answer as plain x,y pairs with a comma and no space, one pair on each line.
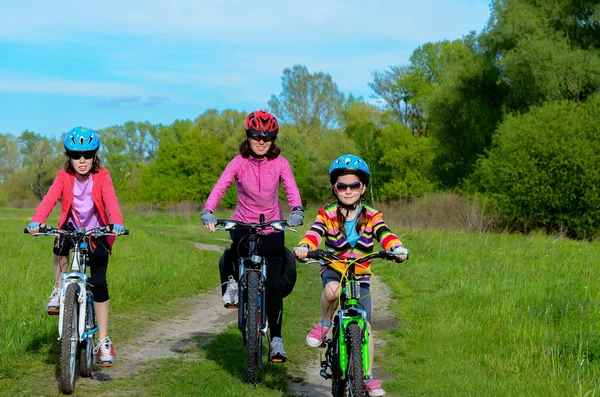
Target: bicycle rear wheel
69,340
86,348
356,372
253,339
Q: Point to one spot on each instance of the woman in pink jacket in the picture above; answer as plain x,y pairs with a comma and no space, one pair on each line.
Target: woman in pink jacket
89,201
258,172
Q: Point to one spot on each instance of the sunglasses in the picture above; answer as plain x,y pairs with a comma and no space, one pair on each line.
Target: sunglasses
78,155
263,138
354,186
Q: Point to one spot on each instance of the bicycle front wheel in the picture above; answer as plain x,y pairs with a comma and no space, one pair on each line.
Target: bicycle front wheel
86,348
253,338
69,340
338,385
356,372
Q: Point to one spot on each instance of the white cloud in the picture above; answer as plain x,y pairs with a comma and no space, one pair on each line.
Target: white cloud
18,84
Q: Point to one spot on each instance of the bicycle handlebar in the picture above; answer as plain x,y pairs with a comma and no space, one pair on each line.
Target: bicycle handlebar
97,232
330,256
229,224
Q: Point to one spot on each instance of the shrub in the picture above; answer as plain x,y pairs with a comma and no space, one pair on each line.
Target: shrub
544,168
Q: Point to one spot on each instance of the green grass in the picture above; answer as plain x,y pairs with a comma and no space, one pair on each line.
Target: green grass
479,314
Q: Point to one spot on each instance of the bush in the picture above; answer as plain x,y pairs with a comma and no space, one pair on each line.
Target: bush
544,169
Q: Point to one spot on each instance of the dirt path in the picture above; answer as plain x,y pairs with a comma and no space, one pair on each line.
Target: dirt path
175,337
383,319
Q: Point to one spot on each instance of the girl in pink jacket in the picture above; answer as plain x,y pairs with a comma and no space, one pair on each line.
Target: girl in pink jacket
89,201
258,171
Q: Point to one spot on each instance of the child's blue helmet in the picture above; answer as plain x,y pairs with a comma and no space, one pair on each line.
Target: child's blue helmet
349,164
81,139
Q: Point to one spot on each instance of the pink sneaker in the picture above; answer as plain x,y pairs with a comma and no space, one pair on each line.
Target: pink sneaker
317,335
373,387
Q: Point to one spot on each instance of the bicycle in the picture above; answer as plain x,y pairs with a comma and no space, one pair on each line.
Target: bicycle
347,351
252,300
76,321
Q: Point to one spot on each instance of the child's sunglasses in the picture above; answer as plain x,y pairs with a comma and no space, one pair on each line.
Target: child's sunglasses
354,186
78,155
262,137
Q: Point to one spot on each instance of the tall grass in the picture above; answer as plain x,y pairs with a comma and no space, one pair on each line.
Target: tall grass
495,315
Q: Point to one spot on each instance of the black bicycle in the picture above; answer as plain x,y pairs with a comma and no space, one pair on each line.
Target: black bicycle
76,322
347,351
252,298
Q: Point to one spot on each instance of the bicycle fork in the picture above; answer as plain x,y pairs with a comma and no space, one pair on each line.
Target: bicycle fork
78,279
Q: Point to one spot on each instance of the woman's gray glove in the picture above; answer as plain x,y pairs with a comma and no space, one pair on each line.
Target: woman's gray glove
207,217
296,218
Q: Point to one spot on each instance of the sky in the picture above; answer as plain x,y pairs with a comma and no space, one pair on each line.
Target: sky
102,63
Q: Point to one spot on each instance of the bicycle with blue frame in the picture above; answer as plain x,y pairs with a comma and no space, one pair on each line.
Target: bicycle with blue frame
347,358
76,322
252,292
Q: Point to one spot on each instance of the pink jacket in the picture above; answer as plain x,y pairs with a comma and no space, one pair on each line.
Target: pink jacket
257,182
103,194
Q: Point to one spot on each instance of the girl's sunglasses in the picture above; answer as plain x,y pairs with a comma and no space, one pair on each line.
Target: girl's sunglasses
354,186
78,155
263,138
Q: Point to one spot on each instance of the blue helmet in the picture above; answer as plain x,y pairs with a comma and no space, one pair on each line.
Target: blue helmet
349,164
81,139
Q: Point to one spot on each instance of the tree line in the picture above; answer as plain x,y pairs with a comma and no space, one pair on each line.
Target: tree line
510,112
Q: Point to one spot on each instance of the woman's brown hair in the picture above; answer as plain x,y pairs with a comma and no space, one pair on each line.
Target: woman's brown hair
246,150
96,165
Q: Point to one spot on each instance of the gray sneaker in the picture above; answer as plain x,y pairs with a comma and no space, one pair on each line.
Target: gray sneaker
277,352
230,298
53,303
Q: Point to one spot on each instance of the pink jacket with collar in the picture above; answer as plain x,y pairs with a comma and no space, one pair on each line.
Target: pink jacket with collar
257,182
103,194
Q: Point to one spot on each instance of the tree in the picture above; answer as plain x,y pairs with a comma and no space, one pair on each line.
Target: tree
310,101
544,168
42,158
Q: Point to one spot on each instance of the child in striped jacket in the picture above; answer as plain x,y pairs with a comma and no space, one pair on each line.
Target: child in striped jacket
350,227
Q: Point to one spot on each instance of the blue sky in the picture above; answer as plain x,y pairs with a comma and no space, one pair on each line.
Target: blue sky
101,63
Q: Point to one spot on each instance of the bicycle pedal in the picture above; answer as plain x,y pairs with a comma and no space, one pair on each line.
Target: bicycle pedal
324,374
231,306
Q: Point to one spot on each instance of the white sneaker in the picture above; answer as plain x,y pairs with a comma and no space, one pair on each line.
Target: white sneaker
277,352
53,302
107,352
230,298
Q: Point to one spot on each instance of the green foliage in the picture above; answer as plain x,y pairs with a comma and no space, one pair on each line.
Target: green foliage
544,168
408,161
126,150
187,165
310,101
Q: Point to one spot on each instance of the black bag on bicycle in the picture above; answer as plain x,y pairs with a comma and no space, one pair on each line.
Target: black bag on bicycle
287,278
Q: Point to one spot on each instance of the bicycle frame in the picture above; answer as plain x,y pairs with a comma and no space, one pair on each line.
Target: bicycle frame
339,350
250,266
78,276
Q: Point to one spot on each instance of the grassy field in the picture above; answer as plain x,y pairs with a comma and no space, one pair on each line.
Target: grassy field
479,314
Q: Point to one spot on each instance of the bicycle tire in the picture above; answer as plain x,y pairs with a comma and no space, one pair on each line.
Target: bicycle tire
86,348
69,341
253,339
356,372
338,385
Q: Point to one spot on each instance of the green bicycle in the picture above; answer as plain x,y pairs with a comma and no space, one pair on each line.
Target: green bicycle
347,358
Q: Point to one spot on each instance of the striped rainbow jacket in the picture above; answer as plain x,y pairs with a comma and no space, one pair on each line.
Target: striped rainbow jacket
326,225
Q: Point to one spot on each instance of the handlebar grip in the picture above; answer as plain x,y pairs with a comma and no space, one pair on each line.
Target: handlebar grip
316,254
44,229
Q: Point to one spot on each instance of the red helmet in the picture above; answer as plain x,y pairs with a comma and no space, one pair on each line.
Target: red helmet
260,122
